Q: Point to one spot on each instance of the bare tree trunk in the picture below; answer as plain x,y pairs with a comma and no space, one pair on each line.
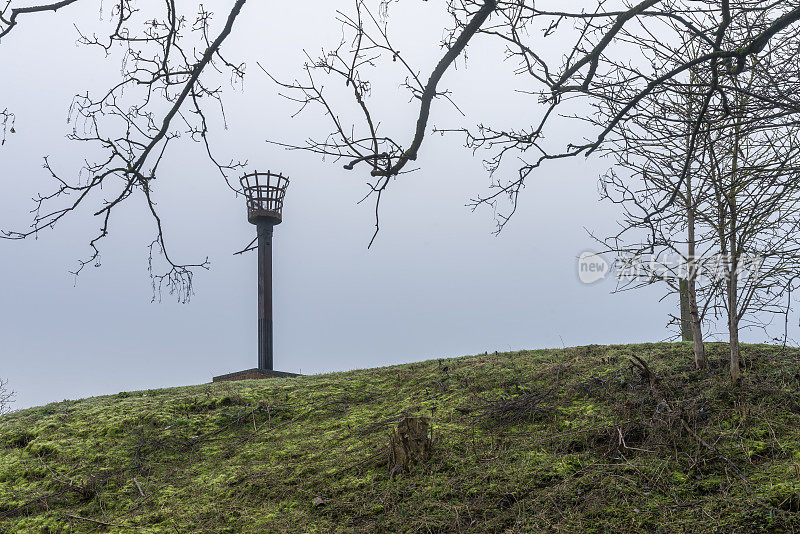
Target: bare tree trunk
733,303
733,279
733,331
700,359
733,260
686,319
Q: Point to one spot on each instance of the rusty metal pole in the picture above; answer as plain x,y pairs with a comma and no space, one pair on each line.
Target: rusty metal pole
264,192
264,228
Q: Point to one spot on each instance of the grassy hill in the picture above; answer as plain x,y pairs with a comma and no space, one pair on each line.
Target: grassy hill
572,440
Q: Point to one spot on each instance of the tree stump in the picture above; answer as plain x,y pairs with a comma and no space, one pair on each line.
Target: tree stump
411,444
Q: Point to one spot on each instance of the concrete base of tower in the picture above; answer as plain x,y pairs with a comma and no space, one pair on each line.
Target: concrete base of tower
254,374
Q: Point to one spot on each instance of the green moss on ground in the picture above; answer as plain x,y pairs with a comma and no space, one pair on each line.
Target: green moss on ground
570,440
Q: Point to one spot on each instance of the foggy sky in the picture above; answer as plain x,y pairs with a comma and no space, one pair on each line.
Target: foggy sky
436,283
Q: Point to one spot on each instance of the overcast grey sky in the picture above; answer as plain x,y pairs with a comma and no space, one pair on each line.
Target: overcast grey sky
436,282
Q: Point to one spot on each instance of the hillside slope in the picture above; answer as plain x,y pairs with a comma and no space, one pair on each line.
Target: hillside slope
572,440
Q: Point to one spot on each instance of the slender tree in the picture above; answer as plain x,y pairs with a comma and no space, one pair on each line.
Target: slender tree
6,396
754,215
649,154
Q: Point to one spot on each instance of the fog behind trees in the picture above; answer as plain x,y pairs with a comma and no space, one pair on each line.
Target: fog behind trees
435,283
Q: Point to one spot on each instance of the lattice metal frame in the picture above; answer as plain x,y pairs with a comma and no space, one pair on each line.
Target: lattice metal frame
264,192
